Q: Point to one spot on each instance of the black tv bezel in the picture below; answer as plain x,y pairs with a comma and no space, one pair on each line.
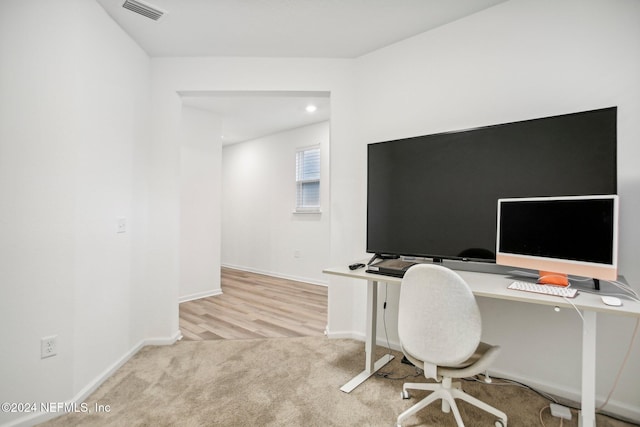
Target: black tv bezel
436,257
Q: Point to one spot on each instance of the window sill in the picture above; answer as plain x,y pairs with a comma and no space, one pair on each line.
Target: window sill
307,211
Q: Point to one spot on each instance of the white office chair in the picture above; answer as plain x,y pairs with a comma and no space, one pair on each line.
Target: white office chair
439,327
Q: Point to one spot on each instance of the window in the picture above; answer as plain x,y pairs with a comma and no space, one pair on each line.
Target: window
308,179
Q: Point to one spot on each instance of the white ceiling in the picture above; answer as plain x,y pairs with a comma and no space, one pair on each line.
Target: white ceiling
279,28
285,28
249,115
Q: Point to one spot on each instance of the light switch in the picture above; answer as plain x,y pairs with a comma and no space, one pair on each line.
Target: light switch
122,225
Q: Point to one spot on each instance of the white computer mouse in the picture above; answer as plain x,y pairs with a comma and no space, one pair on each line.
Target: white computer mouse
611,301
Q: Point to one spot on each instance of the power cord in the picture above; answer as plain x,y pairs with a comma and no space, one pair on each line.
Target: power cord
388,375
505,382
575,308
631,293
513,383
540,416
384,316
624,361
628,291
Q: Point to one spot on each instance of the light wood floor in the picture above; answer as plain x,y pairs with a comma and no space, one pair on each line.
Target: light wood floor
256,306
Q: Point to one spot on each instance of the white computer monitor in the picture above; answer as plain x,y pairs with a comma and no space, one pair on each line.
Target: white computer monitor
575,235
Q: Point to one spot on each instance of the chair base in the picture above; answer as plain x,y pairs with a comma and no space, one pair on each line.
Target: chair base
448,392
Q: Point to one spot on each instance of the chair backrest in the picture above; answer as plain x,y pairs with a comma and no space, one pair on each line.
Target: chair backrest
438,317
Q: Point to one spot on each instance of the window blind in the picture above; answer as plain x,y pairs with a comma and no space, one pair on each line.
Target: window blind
308,179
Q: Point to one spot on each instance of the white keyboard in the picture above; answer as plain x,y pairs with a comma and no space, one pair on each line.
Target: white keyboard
558,291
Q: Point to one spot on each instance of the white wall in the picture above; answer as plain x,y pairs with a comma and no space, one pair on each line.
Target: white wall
260,232
518,60
200,193
173,75
524,59
73,152
64,182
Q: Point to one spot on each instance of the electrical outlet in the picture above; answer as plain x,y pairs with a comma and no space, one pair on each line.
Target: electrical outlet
48,346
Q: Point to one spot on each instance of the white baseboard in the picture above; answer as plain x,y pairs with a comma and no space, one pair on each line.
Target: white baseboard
82,395
381,341
199,295
274,274
345,334
177,336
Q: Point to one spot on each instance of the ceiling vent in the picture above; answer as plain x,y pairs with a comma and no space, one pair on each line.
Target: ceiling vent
143,9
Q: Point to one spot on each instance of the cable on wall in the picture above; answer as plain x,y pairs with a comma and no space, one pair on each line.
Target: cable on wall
626,357
624,362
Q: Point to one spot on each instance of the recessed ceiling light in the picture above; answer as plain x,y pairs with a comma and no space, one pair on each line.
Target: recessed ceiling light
311,108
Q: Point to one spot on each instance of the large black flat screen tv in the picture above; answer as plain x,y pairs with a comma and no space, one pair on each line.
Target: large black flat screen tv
435,196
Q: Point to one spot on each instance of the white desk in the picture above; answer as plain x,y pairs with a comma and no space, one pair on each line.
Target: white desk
495,286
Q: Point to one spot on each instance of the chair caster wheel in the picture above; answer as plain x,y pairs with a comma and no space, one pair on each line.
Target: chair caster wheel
500,423
405,394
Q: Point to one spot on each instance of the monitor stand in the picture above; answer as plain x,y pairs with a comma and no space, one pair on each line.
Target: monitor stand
561,279
382,256
552,278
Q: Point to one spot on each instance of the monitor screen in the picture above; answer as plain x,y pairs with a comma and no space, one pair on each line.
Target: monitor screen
434,196
569,235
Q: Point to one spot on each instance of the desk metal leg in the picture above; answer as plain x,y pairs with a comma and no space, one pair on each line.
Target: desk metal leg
370,366
588,410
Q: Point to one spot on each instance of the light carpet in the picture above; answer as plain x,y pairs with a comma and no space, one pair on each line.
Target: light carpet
282,382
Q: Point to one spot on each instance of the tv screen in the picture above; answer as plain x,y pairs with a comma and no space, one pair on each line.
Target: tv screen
435,196
568,235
